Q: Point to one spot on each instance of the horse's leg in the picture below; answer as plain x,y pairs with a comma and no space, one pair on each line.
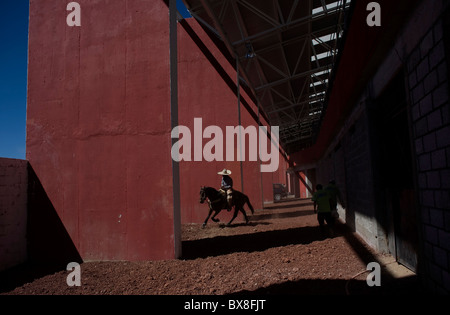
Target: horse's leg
245,214
236,210
214,216
207,218
250,205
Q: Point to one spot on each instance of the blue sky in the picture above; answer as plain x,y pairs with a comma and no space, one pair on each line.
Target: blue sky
13,75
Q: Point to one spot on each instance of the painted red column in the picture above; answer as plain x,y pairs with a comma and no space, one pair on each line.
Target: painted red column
98,125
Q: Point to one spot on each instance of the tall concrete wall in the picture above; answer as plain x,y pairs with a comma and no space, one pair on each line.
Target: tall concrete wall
98,125
13,212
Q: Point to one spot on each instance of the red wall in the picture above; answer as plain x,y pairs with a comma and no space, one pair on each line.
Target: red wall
99,128
207,90
98,124
302,186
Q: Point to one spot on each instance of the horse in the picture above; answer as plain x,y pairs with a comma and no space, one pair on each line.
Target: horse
218,201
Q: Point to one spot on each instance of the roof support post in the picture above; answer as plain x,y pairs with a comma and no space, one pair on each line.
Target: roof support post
173,51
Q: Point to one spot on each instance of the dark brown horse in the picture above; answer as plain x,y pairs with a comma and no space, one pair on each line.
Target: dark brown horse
218,201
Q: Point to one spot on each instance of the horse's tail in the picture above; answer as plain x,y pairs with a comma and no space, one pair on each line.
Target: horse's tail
247,200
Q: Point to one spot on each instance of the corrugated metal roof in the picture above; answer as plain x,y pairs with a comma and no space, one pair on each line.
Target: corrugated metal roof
286,51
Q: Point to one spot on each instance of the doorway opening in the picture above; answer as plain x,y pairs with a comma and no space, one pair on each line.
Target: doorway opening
396,170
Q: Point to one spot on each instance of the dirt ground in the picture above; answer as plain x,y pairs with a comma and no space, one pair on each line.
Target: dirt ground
281,251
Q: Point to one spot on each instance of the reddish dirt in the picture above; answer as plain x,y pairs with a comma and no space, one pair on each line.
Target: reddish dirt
281,251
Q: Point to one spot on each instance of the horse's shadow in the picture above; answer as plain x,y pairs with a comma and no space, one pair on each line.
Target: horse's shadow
250,223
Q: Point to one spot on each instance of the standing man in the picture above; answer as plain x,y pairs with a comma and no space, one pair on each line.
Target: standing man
322,206
226,187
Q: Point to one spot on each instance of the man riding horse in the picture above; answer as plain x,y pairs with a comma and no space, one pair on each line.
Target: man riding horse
225,198
226,187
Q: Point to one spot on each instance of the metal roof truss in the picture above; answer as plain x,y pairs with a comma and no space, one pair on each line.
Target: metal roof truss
286,51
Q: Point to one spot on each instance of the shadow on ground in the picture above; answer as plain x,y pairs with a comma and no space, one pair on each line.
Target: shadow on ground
25,273
260,241
304,235
280,215
289,203
404,286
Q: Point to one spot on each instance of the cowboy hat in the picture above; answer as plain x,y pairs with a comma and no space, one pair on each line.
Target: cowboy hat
224,172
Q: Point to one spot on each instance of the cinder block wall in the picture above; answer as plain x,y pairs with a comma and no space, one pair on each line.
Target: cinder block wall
349,162
422,53
427,71
13,212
